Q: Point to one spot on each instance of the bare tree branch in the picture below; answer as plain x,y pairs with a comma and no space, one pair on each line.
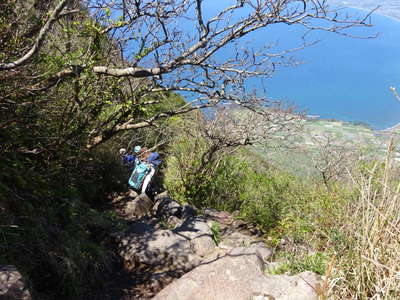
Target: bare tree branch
39,40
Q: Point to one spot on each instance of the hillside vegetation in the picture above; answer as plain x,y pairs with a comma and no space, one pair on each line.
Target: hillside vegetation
54,222
332,210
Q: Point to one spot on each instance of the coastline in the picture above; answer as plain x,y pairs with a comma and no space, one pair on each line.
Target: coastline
377,12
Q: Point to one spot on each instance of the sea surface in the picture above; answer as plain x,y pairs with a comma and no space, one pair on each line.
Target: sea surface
341,78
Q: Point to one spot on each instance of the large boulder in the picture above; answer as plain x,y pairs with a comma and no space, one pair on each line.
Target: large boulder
12,285
239,275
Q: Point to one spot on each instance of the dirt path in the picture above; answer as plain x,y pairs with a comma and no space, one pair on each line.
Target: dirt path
126,282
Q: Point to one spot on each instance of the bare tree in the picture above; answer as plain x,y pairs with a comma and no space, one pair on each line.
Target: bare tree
231,129
201,145
162,55
333,157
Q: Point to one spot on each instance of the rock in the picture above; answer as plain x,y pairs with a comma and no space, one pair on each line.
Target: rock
226,278
264,252
174,222
138,207
158,280
188,211
239,224
222,217
166,207
236,239
199,233
284,287
161,196
122,197
239,276
158,248
257,249
12,286
194,227
203,245
132,194
141,229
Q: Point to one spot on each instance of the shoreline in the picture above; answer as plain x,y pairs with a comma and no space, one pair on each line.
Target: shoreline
377,12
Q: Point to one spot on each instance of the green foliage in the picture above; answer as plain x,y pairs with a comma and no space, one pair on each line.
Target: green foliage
52,228
315,262
263,198
216,232
224,182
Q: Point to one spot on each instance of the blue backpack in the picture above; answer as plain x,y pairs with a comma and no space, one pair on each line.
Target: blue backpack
154,159
129,160
138,175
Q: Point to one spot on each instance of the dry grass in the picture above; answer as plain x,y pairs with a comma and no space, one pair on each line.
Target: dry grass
370,269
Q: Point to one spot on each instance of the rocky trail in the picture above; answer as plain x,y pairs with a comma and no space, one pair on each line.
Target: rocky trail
175,252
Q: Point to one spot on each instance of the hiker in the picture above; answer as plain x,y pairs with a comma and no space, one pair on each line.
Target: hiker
145,163
141,168
143,157
152,160
130,160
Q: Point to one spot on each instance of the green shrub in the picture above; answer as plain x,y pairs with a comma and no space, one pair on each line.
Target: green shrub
216,232
53,228
263,198
315,262
229,183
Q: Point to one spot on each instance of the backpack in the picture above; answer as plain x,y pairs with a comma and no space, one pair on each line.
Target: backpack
138,175
129,160
154,159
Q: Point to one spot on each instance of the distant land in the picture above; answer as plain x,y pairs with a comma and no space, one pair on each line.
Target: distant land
389,8
303,150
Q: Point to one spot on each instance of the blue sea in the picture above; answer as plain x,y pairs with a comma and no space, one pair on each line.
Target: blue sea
342,78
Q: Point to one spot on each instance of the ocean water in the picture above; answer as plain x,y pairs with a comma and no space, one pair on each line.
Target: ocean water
341,78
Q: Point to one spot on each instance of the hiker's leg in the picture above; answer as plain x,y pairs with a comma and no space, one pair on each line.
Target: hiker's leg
147,180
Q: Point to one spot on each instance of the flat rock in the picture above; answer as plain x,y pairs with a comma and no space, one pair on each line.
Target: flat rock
158,248
197,231
194,227
236,239
239,276
256,249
